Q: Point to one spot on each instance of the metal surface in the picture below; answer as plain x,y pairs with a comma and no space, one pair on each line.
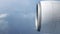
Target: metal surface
38,17
49,17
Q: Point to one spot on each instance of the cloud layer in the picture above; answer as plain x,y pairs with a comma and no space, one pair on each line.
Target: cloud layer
3,24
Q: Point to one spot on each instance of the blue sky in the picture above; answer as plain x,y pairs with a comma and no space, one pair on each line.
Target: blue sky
20,16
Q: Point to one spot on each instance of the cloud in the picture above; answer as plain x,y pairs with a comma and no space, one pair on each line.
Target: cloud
3,23
3,15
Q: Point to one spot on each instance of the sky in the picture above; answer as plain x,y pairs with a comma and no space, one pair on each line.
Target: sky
18,16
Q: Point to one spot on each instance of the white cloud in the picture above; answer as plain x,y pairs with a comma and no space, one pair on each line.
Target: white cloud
3,23
3,15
